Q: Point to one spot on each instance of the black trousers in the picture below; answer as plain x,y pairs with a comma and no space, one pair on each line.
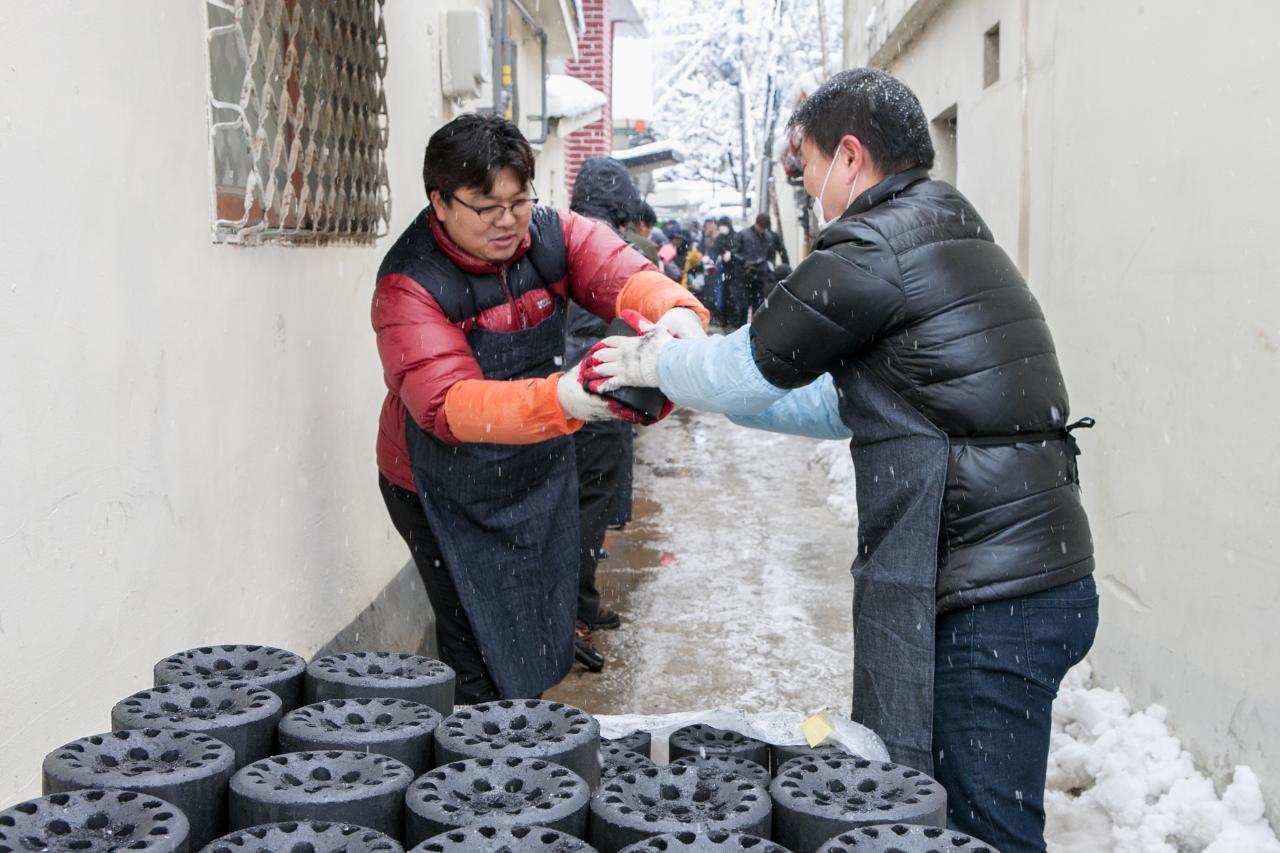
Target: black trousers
745,292
620,506
599,450
457,642
755,284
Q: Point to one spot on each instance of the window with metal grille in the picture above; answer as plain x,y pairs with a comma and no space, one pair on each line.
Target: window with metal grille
298,121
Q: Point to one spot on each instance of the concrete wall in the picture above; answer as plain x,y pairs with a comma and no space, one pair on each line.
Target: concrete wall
186,430
1126,158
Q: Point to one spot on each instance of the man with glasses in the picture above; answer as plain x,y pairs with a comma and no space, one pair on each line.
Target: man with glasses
475,456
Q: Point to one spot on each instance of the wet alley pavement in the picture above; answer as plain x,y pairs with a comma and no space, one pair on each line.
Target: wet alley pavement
732,580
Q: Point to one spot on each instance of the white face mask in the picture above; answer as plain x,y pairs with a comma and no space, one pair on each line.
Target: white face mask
823,222
723,229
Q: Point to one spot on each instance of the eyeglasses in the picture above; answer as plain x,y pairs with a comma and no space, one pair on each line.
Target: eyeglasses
491,213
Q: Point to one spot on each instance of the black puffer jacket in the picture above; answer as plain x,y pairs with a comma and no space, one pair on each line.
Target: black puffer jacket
911,283
603,190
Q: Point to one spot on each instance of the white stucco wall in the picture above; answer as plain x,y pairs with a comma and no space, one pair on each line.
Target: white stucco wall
1130,169
186,430
789,225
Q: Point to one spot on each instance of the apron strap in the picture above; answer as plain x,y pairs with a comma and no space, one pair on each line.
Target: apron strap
1064,434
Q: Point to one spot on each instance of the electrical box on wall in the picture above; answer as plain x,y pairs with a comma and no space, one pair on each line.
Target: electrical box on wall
465,59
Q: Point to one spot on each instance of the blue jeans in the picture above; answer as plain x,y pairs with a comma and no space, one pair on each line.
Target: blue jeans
996,673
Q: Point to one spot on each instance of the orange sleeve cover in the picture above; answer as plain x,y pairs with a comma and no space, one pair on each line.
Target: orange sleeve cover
520,411
652,294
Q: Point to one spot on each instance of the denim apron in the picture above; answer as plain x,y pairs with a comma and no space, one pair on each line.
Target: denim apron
900,465
506,518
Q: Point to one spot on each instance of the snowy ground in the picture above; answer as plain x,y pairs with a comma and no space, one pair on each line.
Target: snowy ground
1119,780
733,580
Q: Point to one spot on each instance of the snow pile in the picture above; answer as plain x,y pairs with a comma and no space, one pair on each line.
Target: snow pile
843,500
1119,781
569,97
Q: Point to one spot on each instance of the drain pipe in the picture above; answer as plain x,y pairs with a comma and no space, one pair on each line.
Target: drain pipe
498,26
542,42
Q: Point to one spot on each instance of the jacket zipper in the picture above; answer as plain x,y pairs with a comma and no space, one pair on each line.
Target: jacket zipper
506,291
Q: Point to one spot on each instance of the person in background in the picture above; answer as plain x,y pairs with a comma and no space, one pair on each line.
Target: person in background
911,334
689,259
713,281
722,251
758,248
666,259
685,259
603,192
475,459
638,232
708,232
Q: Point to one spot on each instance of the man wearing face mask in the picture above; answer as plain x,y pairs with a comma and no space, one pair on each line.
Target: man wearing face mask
911,334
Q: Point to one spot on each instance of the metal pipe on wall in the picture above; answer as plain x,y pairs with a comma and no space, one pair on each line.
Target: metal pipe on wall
502,63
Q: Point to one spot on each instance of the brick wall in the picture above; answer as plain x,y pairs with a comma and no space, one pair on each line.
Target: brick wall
595,68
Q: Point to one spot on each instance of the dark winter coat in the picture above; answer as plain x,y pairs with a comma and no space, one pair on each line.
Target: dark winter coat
723,243
910,283
757,248
603,190
730,270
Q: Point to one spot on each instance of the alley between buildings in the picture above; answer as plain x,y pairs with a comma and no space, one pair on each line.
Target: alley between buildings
732,581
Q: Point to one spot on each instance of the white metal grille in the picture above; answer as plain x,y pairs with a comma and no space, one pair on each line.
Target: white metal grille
298,120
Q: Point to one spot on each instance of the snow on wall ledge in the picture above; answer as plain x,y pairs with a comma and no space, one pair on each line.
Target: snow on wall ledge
569,97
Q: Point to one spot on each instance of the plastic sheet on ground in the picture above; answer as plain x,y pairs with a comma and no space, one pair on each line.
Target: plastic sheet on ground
781,728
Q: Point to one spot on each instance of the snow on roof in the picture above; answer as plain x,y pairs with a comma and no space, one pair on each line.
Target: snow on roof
648,149
569,97
651,155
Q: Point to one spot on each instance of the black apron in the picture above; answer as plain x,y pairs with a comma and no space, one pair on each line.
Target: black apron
900,464
506,519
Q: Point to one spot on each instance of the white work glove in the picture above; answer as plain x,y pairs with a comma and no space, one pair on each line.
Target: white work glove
632,362
579,403
682,323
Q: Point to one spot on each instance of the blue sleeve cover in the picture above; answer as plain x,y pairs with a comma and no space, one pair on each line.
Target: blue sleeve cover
716,374
812,411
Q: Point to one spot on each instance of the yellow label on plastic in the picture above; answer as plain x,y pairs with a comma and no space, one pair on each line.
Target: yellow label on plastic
817,728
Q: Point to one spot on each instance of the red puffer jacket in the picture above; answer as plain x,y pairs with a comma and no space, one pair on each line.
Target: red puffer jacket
428,365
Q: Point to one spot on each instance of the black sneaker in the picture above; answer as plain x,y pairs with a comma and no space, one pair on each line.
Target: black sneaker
583,650
606,620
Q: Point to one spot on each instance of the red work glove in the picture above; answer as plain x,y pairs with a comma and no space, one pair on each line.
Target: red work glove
637,321
592,380
586,371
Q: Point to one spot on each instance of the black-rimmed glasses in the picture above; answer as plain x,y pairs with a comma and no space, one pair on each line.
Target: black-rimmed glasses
491,213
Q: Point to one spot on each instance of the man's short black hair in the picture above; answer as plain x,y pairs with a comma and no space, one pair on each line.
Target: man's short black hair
876,107
470,151
763,221
647,217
